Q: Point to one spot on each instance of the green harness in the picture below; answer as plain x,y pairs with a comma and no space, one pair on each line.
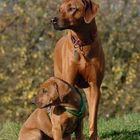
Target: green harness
78,114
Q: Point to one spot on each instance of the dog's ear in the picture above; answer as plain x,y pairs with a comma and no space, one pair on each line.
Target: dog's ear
49,87
63,88
91,9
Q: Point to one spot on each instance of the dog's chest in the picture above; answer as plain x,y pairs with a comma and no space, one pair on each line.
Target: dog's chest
69,125
82,54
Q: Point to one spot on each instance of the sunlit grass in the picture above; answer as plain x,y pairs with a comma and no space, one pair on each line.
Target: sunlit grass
120,128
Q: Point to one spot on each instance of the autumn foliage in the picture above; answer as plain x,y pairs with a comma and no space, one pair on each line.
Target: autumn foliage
27,41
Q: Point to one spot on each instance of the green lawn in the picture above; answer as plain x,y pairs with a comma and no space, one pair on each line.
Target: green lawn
123,128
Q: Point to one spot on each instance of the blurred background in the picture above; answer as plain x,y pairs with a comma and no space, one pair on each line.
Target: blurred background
27,41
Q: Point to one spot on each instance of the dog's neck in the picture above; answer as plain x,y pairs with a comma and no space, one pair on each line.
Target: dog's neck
71,100
85,35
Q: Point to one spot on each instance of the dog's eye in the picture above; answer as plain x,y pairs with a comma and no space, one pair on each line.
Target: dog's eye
44,90
72,9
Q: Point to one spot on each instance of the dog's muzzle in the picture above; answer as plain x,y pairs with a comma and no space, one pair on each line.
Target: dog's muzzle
54,20
33,101
56,24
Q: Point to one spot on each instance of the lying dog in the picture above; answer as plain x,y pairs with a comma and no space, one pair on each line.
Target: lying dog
61,113
78,55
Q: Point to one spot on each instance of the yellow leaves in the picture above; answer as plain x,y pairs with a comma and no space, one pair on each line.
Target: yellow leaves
51,34
132,73
3,37
19,84
39,11
2,51
6,99
128,99
34,55
24,72
18,9
131,76
116,68
8,113
23,51
136,56
24,83
114,102
118,71
25,64
134,1
27,20
46,68
31,94
3,76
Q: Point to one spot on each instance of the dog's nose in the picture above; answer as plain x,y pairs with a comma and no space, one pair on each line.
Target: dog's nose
54,20
33,101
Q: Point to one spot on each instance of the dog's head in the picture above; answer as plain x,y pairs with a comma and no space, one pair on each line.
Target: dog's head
52,92
73,13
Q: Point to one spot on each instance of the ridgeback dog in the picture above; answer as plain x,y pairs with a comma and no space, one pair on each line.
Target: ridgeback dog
60,112
78,56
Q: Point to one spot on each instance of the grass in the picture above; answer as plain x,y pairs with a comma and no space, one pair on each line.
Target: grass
120,128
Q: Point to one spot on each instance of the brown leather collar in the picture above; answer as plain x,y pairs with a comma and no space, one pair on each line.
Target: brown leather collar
78,43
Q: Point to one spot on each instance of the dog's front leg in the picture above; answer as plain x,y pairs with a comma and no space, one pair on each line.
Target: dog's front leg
67,138
57,134
79,131
93,96
56,127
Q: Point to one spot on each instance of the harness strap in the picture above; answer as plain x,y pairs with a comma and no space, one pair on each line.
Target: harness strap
76,113
49,112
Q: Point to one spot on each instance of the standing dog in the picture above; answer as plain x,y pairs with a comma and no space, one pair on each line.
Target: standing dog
64,116
78,56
